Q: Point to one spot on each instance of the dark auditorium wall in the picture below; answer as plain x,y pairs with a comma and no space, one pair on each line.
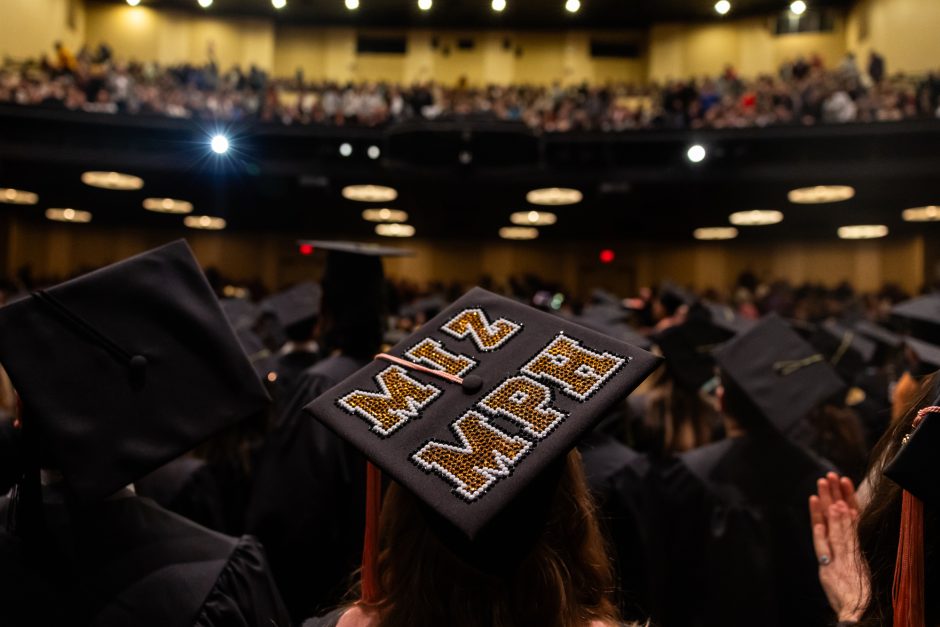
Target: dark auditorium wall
57,251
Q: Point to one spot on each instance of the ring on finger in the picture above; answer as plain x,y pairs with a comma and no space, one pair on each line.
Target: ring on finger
824,560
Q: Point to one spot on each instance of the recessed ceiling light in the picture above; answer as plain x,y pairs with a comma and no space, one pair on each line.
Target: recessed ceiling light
798,7
756,217
518,232
168,205
208,223
722,7
133,3
205,4
68,215
863,231
345,149
369,193
373,152
533,218
17,196
498,5
930,213
554,196
352,5
112,180
820,194
696,153
573,6
424,5
394,230
385,215
715,232
279,4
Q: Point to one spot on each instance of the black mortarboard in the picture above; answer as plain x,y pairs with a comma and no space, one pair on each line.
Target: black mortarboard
615,329
689,350
533,385
673,296
927,354
260,356
353,300
847,350
923,316
125,368
296,304
879,334
241,312
725,317
917,465
782,375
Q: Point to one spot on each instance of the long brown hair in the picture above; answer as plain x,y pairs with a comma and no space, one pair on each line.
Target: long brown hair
564,580
880,522
676,420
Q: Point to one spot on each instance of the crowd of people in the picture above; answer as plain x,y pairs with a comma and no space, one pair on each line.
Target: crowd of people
666,457
803,92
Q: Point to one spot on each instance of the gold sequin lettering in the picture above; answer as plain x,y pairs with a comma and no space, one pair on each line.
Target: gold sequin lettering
400,399
485,454
526,402
432,353
487,336
578,370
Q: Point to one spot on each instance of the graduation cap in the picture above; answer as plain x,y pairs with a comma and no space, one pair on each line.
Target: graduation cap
473,407
126,368
616,329
782,375
241,312
259,355
926,354
724,317
881,335
916,466
297,304
353,300
922,315
689,350
847,350
673,296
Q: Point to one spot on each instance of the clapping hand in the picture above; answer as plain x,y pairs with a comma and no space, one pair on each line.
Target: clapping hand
842,572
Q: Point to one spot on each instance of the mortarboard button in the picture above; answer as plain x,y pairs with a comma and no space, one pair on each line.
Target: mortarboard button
138,364
472,384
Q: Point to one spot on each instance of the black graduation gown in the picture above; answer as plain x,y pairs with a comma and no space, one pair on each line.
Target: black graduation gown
126,562
617,476
736,536
186,486
289,367
308,499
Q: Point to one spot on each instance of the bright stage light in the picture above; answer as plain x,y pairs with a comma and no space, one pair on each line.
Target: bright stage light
219,144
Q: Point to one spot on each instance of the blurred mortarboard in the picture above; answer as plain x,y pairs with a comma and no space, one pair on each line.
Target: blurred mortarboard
673,296
603,297
725,317
241,312
689,350
296,304
363,249
923,316
917,465
783,375
532,385
261,358
804,328
615,329
846,350
879,334
126,368
927,354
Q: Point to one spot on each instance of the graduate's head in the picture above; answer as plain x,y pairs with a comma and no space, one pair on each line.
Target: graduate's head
909,463
543,563
474,417
771,377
